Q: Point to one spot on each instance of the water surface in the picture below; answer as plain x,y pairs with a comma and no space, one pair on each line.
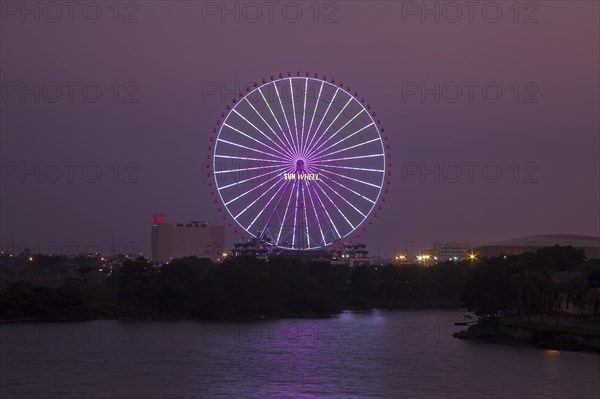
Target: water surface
377,354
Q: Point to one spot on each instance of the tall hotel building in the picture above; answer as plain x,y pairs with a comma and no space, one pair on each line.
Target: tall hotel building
176,240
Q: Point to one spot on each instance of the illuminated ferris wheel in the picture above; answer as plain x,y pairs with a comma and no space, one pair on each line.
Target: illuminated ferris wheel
299,162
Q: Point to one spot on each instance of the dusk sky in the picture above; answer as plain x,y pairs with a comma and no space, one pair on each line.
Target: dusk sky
541,132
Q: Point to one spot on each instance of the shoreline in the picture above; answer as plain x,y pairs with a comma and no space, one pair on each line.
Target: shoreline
538,335
291,315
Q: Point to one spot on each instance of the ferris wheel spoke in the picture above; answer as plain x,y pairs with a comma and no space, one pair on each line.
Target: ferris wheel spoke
246,158
332,122
287,122
344,186
283,145
335,206
252,178
267,205
315,148
284,153
348,167
316,153
323,118
285,213
274,211
349,158
312,202
217,172
312,119
276,120
256,200
330,219
303,115
342,197
246,135
252,149
294,112
249,191
350,178
347,148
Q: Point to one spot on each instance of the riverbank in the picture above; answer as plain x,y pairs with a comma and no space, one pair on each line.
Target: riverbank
305,314
541,335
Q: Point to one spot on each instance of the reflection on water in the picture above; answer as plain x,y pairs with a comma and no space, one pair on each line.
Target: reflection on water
367,354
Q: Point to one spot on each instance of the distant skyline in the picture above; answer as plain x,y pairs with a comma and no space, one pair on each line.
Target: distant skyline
493,126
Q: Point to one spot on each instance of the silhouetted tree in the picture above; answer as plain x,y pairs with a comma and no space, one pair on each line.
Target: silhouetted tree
137,283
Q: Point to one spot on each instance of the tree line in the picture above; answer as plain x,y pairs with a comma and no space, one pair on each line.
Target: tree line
545,283
246,287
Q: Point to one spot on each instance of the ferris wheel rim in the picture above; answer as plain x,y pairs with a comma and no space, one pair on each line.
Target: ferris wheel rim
308,146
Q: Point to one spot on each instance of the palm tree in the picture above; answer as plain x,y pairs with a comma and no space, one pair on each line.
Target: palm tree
560,291
579,294
526,282
546,286
595,302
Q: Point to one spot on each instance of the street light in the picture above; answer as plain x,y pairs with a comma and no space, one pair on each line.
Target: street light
423,258
400,258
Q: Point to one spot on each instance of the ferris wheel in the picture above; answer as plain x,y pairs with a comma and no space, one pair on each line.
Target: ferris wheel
298,162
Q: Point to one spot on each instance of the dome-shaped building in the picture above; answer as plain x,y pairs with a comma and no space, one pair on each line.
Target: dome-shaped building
514,246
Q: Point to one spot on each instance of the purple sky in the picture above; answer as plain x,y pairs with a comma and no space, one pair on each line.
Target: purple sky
175,52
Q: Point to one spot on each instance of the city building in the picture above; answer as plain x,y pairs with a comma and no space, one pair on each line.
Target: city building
351,254
251,247
450,251
176,240
427,254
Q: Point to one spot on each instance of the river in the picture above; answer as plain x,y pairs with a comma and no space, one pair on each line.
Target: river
376,354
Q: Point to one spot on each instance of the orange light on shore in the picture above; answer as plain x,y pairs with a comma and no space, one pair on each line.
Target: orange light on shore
552,352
